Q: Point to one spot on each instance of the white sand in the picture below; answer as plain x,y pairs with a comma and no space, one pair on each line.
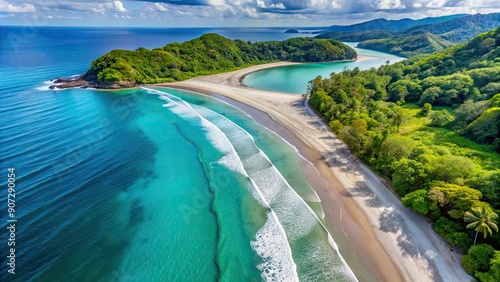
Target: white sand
388,229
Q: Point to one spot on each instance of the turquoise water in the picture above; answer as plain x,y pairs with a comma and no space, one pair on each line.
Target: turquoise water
293,79
147,184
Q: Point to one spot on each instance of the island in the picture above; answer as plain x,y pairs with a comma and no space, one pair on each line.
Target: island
292,31
208,54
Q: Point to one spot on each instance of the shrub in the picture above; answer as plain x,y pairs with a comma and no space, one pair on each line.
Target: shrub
478,258
426,110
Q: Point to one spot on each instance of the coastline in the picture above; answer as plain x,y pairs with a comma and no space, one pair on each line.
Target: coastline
379,238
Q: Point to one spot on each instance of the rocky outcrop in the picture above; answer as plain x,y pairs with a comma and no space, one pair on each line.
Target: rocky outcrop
84,82
63,83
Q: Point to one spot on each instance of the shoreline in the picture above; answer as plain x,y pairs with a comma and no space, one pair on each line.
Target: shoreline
78,81
379,238
326,186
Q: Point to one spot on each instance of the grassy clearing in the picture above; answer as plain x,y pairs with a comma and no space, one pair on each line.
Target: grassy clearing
442,140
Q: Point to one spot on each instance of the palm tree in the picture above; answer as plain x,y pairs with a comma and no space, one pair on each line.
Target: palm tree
481,220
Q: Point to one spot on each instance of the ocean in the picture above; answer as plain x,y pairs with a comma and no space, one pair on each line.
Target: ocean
147,184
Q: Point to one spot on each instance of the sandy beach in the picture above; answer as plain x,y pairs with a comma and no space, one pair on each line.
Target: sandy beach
379,238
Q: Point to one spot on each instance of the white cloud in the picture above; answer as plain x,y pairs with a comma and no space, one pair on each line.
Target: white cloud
277,6
436,3
479,3
50,6
123,17
390,4
63,17
335,5
261,4
117,6
161,7
216,2
244,12
22,8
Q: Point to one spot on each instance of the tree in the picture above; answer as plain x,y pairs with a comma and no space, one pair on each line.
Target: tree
491,89
478,258
469,111
481,220
488,182
430,94
409,175
440,118
398,117
392,149
413,89
354,139
426,110
451,168
486,128
494,274
335,126
458,199
360,125
398,93
418,201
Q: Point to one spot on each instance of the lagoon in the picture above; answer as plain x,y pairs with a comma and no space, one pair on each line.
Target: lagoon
294,79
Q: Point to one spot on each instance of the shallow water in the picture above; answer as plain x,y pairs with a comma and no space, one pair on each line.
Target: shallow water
294,79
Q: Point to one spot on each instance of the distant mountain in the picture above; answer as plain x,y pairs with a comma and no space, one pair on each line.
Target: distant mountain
460,29
356,36
423,39
392,25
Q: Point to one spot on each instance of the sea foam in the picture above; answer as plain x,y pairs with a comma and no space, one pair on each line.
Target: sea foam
278,264
46,86
276,190
289,213
297,219
270,241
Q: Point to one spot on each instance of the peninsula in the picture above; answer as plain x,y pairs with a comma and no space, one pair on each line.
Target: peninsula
208,54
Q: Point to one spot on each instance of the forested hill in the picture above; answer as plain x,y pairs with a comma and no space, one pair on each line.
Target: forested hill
422,39
208,54
384,24
431,125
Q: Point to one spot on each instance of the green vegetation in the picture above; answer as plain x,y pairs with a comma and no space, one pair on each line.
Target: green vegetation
481,220
419,39
478,258
407,45
431,125
356,36
209,54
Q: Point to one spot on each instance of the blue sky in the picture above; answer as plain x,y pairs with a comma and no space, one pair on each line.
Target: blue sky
188,13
